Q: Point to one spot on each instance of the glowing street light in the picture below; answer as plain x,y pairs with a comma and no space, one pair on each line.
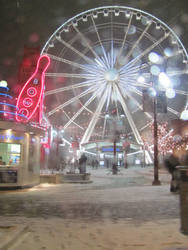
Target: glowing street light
184,115
3,83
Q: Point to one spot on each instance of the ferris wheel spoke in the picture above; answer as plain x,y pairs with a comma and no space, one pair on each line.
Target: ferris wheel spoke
72,63
140,106
137,42
74,86
136,59
147,125
86,92
131,67
97,69
127,83
181,92
132,82
177,72
100,42
109,91
86,42
130,76
108,96
104,128
68,117
177,91
135,110
132,124
116,105
144,85
129,117
124,39
87,59
94,119
173,111
135,69
112,42
112,55
94,95
168,108
136,91
71,75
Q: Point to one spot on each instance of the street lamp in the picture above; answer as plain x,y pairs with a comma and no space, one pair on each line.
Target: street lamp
155,98
184,114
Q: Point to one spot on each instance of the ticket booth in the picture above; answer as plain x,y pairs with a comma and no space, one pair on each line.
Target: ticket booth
19,155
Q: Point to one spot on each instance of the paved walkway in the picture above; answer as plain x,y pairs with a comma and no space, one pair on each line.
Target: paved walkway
123,212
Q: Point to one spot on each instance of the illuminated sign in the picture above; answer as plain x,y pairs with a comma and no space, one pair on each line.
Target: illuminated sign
31,91
6,95
110,149
31,95
11,137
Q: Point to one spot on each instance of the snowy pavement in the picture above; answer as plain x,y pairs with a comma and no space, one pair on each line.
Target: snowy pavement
114,212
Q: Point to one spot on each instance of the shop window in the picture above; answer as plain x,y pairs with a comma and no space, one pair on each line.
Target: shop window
10,154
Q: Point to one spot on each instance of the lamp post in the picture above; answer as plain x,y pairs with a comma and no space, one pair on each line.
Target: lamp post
150,105
155,135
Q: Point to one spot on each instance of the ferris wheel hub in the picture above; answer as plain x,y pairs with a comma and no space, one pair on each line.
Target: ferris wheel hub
111,75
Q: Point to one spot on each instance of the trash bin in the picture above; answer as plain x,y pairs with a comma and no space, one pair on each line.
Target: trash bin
184,198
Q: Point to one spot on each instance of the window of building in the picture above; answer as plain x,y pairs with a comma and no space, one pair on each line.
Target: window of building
10,154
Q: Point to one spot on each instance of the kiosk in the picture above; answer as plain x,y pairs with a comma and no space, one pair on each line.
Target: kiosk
19,155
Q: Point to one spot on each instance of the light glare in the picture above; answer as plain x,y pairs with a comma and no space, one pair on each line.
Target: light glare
170,93
168,52
141,79
154,57
152,92
184,115
155,70
164,80
3,83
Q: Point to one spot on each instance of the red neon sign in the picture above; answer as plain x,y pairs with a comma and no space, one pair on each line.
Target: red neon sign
31,91
31,95
27,102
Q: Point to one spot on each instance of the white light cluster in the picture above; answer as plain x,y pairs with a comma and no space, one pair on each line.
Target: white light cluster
3,83
184,115
170,93
164,80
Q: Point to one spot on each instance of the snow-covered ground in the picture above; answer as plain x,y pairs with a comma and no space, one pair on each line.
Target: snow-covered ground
122,212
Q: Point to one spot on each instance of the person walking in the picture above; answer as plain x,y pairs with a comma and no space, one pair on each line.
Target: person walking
82,164
171,162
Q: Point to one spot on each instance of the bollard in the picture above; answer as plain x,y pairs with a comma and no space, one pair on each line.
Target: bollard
184,198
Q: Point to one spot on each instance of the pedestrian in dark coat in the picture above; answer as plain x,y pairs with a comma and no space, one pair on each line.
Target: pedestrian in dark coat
171,163
82,164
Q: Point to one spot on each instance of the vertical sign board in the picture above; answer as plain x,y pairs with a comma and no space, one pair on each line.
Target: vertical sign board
161,102
148,102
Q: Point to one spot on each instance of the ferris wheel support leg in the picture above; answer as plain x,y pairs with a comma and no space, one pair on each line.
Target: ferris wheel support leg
131,122
94,120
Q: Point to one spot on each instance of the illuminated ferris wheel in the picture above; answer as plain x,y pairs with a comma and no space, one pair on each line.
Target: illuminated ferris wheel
102,61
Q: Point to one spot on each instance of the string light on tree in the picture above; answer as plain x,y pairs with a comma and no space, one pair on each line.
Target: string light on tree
167,142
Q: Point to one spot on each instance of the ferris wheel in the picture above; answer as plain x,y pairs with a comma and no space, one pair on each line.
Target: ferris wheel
102,61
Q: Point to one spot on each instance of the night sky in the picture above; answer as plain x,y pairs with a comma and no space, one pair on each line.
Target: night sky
31,22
